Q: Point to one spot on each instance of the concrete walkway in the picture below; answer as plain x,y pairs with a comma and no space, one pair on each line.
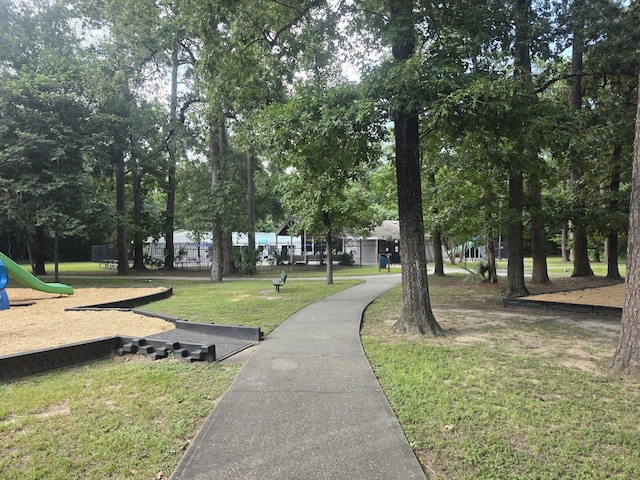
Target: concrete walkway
306,405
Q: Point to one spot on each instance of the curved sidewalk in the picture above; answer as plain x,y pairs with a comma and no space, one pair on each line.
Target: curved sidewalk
306,405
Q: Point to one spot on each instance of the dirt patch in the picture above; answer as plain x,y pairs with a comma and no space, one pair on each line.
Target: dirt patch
571,340
43,322
472,314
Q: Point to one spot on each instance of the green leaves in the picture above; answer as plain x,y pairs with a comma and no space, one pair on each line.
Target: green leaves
324,141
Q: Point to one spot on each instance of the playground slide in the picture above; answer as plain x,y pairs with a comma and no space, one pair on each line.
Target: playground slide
21,275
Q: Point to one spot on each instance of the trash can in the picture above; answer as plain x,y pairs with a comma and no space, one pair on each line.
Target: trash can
383,261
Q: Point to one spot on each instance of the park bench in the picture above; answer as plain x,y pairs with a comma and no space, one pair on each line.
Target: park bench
278,282
110,264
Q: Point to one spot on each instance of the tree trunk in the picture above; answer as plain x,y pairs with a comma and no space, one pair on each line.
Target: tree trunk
540,272
251,201
228,262
491,259
564,250
515,264
216,257
56,253
138,255
437,253
171,169
437,239
214,156
121,213
169,255
627,356
39,256
417,316
490,199
613,271
329,242
611,245
581,265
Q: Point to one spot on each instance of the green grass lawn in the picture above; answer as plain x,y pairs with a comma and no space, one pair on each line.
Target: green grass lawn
556,268
506,395
94,269
121,418
250,303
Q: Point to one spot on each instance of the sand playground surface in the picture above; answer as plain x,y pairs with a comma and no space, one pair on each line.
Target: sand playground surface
612,296
46,324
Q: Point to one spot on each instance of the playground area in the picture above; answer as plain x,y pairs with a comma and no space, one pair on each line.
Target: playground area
42,316
38,320
609,296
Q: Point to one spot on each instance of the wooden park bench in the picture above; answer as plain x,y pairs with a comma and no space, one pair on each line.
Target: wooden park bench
278,282
108,264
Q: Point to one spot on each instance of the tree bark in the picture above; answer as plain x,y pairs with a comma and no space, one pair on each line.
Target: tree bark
138,256
171,168
491,259
627,356
417,317
121,214
228,262
611,245
329,243
56,255
251,201
39,257
540,272
215,153
437,253
490,199
515,264
580,246
581,265
216,255
564,251
437,239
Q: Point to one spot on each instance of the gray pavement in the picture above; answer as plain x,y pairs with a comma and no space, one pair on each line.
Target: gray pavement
306,405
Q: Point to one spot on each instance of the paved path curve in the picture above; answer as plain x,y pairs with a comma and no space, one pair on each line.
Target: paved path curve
306,405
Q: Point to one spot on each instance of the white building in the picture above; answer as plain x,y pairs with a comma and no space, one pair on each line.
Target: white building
384,239
194,251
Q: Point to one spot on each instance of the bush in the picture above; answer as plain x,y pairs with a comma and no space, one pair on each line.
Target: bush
346,260
245,260
483,269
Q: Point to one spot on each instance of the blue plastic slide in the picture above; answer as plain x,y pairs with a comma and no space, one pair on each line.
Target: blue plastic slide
20,275
4,278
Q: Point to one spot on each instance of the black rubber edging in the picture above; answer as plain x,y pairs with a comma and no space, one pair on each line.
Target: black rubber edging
611,313
127,304
37,361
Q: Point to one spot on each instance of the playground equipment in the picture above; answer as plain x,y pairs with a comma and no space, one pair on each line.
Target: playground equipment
20,275
4,278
